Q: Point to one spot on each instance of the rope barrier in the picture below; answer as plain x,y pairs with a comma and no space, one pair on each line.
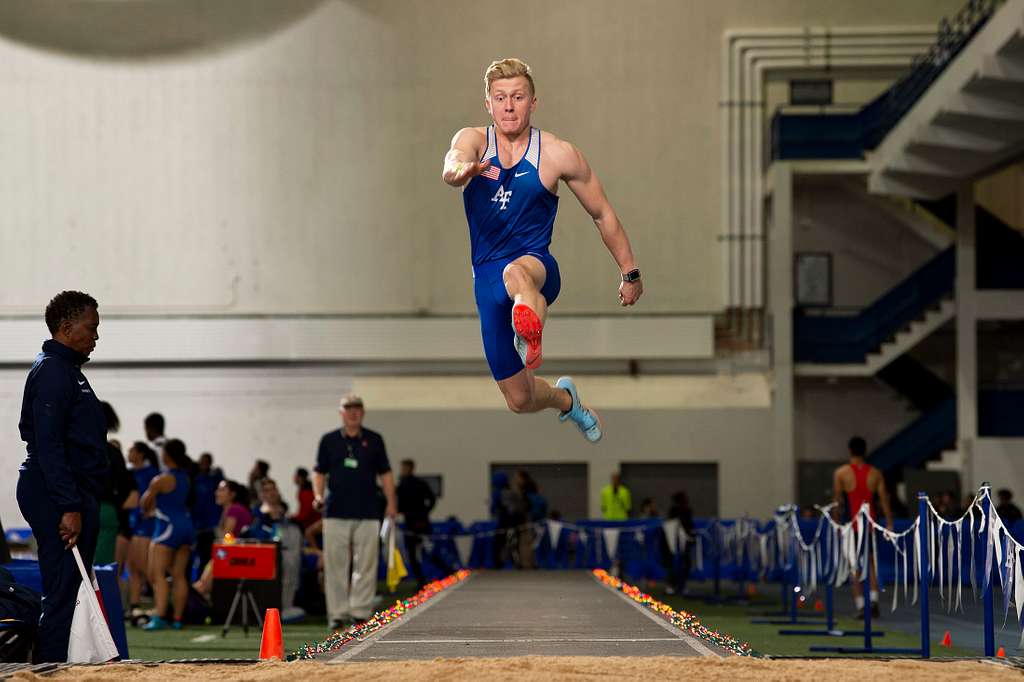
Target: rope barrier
976,549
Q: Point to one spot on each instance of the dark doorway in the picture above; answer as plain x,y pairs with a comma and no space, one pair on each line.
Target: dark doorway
659,480
563,484
814,482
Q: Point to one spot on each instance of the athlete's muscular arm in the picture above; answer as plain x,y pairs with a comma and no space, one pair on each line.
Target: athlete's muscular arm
588,190
461,163
883,499
837,493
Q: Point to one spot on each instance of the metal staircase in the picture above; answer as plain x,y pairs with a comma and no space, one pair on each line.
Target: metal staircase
863,344
875,361
969,121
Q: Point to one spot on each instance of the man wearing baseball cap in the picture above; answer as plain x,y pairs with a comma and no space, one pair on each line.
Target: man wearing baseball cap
349,463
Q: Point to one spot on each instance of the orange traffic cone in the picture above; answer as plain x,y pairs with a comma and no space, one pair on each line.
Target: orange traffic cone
1001,653
947,640
818,606
272,645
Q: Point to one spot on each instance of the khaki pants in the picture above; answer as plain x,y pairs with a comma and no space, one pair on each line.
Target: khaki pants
350,545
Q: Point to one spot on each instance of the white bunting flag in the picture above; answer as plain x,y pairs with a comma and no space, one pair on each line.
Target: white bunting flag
464,546
611,541
671,528
554,532
90,640
1018,586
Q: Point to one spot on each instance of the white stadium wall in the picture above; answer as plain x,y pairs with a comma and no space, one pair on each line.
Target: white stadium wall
295,169
267,173
453,427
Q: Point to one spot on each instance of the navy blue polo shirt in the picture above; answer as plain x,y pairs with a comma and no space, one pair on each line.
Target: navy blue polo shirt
352,466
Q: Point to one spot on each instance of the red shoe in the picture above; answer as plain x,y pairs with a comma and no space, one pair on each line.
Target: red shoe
528,327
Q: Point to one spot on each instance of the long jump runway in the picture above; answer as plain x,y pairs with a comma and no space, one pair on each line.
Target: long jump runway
535,613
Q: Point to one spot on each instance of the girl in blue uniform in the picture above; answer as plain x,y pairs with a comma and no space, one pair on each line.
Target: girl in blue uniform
145,467
168,495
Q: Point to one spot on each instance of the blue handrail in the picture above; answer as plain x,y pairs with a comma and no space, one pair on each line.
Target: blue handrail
930,433
837,339
847,136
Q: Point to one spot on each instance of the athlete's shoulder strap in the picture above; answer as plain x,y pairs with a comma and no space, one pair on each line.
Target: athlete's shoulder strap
492,147
533,153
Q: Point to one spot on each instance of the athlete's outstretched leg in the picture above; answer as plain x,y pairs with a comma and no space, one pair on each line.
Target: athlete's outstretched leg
524,277
525,393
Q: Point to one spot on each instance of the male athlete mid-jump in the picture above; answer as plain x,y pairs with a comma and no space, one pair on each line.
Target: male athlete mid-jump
510,173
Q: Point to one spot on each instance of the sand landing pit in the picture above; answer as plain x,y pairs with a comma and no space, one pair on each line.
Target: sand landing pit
551,668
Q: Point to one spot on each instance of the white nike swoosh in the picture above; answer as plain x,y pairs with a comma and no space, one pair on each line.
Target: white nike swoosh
81,383
526,173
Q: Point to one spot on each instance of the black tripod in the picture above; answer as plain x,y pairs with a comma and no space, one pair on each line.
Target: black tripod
242,594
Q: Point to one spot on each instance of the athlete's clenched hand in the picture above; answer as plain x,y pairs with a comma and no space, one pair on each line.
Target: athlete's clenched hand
457,173
630,292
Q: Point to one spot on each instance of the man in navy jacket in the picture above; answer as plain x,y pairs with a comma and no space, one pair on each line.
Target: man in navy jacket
64,429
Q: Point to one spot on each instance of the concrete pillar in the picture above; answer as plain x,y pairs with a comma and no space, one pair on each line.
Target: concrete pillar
966,335
780,301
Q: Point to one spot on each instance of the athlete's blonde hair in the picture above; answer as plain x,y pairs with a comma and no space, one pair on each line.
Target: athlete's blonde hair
507,68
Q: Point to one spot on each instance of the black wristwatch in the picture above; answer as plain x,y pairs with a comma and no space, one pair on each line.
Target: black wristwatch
631,276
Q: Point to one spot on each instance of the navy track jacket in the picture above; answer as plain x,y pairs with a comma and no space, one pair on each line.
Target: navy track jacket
64,429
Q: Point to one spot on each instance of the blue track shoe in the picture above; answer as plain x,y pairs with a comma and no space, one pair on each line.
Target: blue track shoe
155,623
585,418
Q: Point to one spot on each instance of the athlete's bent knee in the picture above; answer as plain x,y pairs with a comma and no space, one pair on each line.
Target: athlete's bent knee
519,402
516,277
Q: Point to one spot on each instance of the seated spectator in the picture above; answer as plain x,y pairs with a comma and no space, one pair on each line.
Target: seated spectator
271,523
307,513
270,512
648,510
233,498
1007,510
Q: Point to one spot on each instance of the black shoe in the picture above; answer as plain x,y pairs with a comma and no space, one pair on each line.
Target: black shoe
860,614
874,610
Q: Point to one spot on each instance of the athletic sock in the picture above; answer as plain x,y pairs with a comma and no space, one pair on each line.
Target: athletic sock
859,602
874,596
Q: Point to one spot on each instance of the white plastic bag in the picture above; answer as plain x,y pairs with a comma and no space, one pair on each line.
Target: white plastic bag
90,641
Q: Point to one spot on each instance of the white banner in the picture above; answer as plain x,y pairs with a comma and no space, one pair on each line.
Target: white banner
90,640
464,546
671,528
554,532
611,541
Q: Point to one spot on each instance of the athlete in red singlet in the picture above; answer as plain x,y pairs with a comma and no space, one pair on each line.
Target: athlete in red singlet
861,493
860,482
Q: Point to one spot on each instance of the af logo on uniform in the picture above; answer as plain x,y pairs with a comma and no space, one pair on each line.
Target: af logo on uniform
502,196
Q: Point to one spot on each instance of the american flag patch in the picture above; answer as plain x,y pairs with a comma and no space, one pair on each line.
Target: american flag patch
492,172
